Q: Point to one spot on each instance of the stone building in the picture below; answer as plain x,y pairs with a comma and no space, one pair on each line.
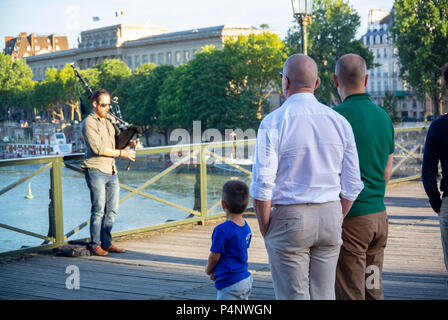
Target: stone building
29,45
136,45
385,77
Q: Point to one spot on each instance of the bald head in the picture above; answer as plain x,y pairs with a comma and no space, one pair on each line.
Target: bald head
301,71
351,71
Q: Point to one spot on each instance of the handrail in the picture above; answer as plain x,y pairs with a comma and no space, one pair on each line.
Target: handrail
56,236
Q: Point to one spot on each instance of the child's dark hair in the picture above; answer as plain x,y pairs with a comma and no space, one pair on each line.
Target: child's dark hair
97,94
235,194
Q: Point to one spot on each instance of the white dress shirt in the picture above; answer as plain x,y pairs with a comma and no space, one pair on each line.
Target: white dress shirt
305,153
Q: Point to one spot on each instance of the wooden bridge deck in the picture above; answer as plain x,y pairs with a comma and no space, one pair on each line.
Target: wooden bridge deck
170,265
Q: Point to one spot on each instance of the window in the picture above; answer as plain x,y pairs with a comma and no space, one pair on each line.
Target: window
49,47
152,58
394,85
137,61
378,86
160,58
384,38
177,58
130,62
145,58
377,39
37,48
386,85
186,56
57,47
168,58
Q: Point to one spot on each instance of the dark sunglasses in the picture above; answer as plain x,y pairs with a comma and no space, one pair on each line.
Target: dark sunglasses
283,75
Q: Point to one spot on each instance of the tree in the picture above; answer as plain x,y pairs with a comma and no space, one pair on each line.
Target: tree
53,89
139,95
420,33
390,106
111,73
70,91
227,88
331,35
13,75
256,61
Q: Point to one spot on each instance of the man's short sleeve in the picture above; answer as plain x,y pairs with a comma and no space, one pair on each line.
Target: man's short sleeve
218,240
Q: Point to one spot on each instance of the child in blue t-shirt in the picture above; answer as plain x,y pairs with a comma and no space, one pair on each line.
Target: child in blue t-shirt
227,262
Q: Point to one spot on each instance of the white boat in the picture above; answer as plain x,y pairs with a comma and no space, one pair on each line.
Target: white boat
231,165
50,144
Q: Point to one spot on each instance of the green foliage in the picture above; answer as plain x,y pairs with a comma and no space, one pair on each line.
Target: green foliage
140,92
420,33
331,35
15,79
390,106
256,61
226,88
111,73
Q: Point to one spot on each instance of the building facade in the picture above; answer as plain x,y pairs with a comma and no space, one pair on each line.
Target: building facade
385,77
136,45
29,45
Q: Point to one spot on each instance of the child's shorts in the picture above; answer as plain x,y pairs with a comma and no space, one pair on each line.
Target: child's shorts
237,291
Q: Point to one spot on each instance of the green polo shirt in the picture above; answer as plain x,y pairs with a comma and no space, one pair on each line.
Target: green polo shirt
374,136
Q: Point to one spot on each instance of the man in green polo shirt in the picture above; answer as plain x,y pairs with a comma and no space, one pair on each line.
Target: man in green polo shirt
364,231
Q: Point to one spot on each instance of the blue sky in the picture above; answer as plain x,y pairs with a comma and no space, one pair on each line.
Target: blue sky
69,17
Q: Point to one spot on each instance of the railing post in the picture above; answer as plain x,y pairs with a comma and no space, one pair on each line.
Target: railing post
56,199
203,168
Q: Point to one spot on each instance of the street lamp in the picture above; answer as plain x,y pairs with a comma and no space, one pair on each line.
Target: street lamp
303,12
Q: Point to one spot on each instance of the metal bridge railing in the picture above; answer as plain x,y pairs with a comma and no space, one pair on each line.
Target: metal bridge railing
56,236
408,158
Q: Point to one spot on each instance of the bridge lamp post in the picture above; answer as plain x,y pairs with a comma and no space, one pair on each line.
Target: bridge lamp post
303,13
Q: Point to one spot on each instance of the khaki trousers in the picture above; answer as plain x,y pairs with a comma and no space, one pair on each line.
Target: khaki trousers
360,265
303,243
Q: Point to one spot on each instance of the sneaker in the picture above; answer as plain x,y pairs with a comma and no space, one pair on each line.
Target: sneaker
114,248
98,251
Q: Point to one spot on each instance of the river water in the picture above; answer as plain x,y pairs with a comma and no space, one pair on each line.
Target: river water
135,212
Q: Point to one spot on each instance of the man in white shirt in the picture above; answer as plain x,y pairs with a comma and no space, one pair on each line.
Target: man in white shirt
306,167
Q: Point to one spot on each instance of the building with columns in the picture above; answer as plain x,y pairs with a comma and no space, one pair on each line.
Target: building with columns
385,77
136,45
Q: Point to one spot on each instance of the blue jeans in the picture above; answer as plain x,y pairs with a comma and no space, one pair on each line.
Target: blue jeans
104,195
237,291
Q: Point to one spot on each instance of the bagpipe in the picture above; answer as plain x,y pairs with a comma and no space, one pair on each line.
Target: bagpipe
124,132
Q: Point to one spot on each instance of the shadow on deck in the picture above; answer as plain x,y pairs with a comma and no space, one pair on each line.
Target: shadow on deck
170,265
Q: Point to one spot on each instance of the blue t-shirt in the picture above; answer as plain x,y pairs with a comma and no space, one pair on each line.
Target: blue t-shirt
231,241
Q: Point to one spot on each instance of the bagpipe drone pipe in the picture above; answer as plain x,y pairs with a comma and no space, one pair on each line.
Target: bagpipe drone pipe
124,132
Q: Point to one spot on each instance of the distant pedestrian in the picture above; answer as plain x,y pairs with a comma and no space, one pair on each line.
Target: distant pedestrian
365,228
227,262
306,166
435,152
